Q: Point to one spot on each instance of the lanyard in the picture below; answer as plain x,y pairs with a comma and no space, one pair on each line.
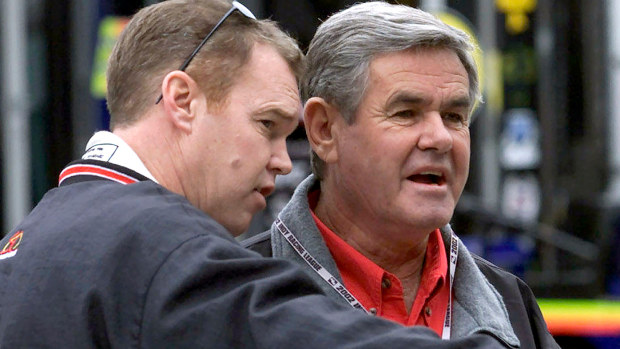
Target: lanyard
454,253
316,266
342,291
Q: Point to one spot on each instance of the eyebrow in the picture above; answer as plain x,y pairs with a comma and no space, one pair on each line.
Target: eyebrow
458,102
282,114
406,97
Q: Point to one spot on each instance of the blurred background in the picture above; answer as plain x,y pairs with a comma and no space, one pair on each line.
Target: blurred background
543,195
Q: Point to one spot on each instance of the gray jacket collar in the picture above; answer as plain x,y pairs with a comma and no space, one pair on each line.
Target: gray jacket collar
478,307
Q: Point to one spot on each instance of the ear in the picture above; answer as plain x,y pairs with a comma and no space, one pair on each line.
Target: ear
181,97
320,121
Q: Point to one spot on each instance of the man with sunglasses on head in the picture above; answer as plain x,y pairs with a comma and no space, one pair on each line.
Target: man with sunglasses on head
135,247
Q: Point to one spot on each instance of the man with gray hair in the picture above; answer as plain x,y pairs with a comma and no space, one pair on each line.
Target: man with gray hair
389,92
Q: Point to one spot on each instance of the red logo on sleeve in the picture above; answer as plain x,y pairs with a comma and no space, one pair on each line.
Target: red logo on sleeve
10,249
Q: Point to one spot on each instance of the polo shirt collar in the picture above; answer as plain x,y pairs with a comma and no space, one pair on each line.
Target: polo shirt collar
108,147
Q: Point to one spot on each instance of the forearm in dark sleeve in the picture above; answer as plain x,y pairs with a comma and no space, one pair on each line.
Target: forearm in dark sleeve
213,293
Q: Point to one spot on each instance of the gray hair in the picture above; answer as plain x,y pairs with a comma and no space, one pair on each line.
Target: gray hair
344,45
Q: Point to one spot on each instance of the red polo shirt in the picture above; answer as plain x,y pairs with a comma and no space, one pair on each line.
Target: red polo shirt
381,292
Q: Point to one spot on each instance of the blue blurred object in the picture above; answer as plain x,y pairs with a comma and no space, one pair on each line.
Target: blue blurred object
510,252
474,243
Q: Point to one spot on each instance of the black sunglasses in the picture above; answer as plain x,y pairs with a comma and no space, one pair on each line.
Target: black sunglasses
236,6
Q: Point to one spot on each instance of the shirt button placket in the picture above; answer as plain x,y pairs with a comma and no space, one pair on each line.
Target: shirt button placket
386,283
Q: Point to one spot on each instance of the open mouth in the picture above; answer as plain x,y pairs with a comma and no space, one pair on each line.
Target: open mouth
431,178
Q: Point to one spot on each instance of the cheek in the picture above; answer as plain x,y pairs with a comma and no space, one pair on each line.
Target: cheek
356,158
366,145
247,152
254,158
461,153
235,163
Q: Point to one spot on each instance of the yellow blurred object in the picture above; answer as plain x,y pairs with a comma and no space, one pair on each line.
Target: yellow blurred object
512,6
517,23
516,14
495,82
456,20
110,28
581,317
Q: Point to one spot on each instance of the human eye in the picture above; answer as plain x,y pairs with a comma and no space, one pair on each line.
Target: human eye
405,116
457,119
272,128
405,113
267,124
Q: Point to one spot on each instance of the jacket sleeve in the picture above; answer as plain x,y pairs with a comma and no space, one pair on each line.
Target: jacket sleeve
542,337
211,292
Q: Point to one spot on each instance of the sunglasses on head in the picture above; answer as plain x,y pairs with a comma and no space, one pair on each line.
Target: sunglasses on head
236,6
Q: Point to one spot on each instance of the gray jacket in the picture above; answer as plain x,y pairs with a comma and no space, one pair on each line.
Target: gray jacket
478,305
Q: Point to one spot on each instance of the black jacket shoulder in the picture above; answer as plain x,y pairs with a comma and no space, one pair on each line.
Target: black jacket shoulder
525,316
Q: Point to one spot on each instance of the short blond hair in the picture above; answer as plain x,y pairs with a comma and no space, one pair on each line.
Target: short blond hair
160,37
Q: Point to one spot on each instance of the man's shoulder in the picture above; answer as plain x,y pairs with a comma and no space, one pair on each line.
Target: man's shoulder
260,243
143,208
495,273
525,316
506,283
138,226
149,197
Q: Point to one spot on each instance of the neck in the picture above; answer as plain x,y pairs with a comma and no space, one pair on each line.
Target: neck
151,142
395,251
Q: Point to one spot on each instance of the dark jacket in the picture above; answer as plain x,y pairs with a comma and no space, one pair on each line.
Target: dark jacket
486,298
106,265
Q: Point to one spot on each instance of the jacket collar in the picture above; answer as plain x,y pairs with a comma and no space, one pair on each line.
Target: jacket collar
478,307
88,170
297,217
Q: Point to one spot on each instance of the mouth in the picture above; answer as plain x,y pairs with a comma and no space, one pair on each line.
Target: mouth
265,191
261,199
428,177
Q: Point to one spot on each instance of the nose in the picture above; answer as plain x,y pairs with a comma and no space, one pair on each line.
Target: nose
280,162
435,135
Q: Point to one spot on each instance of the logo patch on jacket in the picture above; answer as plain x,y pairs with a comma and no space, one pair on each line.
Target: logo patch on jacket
10,249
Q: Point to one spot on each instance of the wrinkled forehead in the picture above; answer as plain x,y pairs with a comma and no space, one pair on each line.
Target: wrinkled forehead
418,70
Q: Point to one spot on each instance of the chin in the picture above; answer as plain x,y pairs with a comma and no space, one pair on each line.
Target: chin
239,230
429,222
237,226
